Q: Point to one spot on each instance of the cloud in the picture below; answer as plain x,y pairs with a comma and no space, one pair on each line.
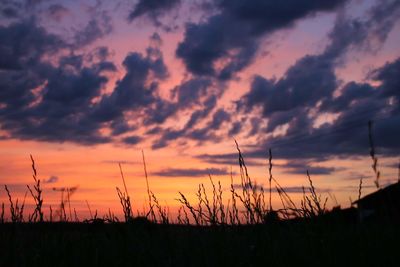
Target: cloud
299,189
233,34
97,27
347,135
315,73
51,180
356,176
152,8
10,9
191,129
132,140
32,41
394,165
134,90
60,111
301,166
48,101
59,90
388,75
9,12
307,88
171,172
120,126
57,12
290,189
64,100
235,129
232,158
311,79
188,94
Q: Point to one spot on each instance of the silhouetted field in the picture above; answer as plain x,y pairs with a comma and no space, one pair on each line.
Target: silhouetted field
243,231
147,244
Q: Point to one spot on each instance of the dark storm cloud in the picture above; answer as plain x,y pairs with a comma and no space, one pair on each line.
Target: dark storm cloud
191,172
235,129
350,93
238,26
347,136
207,133
208,105
308,81
132,91
188,94
219,117
44,101
57,12
191,130
22,9
132,140
22,47
232,158
386,13
9,12
33,3
309,85
152,8
312,78
10,9
60,112
24,43
65,100
120,126
301,166
97,27
191,91
389,76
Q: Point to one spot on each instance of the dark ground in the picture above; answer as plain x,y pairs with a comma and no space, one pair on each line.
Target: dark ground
284,244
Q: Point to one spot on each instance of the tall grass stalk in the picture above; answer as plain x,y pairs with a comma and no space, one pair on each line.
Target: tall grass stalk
234,214
36,194
16,209
124,198
360,187
162,211
195,212
373,156
270,179
312,205
149,194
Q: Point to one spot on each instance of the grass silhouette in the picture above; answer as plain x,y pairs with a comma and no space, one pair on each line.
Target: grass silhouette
212,231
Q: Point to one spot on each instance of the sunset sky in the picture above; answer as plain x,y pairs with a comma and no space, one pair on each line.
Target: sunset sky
85,85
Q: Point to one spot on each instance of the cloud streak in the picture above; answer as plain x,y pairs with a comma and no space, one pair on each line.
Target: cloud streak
233,34
59,89
191,172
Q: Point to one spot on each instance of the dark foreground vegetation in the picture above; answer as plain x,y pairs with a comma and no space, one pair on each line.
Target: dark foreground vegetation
232,227
145,244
